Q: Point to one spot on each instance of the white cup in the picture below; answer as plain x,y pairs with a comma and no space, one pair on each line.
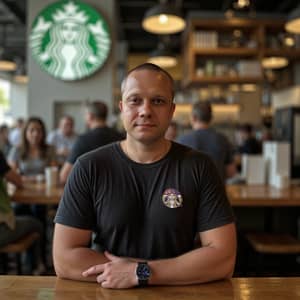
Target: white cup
51,174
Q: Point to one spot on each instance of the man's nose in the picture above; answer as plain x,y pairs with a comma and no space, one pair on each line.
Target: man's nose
145,109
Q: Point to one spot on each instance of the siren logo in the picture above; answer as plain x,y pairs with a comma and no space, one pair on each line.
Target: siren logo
70,40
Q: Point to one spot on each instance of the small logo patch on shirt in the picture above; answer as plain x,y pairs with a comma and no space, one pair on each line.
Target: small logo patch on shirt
172,198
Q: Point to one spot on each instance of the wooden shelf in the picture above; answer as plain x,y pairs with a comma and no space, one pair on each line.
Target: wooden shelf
225,51
256,30
289,53
226,79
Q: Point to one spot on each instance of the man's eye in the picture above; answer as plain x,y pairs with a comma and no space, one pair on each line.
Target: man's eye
158,101
134,100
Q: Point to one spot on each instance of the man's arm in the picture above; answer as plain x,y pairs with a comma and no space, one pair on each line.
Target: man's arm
64,172
13,177
71,252
213,261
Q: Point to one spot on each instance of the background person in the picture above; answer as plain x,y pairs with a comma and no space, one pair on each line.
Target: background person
15,135
205,138
99,134
147,198
13,228
63,138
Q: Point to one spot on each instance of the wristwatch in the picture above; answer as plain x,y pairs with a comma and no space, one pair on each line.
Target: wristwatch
143,273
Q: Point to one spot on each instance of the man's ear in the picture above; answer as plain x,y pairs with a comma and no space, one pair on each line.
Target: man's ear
120,105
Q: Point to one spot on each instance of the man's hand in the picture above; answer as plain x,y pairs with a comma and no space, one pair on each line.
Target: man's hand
119,273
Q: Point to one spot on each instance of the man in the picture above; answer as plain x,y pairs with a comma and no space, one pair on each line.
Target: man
206,139
63,138
147,198
15,134
98,135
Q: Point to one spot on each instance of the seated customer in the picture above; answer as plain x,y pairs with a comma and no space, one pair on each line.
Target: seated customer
206,139
30,159
12,228
63,138
146,198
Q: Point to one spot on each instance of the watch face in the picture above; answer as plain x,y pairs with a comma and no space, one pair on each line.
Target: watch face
143,271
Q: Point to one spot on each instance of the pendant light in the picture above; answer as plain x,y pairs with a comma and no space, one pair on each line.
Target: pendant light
274,62
163,56
20,75
6,61
293,21
163,19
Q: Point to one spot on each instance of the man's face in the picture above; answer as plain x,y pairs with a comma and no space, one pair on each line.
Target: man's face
147,107
66,126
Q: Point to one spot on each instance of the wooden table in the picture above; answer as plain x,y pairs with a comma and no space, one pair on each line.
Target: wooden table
36,193
263,195
50,288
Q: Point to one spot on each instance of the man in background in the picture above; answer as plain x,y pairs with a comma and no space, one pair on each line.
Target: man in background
63,138
15,134
99,134
206,139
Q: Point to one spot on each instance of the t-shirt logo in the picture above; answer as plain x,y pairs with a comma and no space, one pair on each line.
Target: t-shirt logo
70,40
172,198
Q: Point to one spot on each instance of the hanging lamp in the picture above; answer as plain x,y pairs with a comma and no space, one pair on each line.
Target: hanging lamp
163,19
293,21
163,56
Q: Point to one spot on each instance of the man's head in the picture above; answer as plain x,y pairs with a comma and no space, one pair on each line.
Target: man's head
147,103
66,125
201,113
245,131
96,112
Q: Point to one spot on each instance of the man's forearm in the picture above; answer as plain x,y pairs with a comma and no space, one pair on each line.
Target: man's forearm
75,261
197,266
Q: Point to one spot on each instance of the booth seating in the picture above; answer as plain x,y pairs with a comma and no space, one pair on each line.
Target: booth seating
18,247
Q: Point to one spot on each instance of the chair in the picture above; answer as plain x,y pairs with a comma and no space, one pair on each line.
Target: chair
270,243
18,247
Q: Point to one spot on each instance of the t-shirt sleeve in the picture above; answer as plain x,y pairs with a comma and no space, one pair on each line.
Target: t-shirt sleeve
50,138
214,209
76,207
4,167
76,151
229,158
14,155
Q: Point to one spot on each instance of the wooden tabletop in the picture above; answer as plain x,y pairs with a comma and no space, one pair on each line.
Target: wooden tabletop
36,193
50,288
263,195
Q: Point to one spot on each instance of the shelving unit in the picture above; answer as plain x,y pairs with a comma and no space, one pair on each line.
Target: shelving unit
226,51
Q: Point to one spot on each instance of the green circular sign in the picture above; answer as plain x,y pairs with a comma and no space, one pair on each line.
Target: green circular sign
70,40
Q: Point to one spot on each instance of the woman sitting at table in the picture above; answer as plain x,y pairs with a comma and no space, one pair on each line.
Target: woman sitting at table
31,158
12,228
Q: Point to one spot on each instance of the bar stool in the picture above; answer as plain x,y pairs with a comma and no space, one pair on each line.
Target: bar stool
18,247
270,243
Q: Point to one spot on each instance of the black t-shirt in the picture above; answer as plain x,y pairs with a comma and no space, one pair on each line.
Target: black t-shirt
93,139
147,211
213,143
4,167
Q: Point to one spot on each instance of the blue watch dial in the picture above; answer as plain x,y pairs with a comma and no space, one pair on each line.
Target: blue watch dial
143,271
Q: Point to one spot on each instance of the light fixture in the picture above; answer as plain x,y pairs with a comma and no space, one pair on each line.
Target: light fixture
20,74
6,63
163,19
293,21
274,62
163,57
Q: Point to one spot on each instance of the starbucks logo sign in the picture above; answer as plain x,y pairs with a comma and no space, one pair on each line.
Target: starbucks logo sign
70,40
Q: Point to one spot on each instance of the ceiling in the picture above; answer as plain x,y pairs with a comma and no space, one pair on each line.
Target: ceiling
130,14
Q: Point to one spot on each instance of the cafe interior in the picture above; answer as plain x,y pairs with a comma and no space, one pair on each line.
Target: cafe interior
241,56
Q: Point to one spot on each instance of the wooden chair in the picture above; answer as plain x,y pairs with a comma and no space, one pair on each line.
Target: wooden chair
276,244
18,247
